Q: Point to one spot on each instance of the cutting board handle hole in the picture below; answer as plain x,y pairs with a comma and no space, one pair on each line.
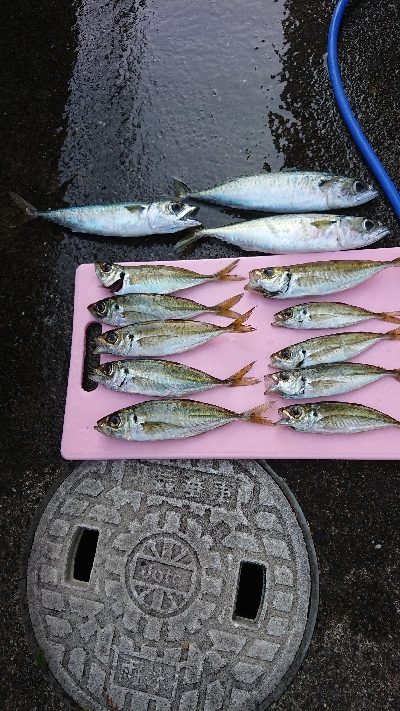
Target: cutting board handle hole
90,361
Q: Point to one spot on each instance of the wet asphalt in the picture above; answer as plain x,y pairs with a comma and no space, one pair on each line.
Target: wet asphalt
105,102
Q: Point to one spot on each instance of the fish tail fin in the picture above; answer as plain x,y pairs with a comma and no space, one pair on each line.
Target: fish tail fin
30,212
392,316
393,335
239,379
224,308
188,240
225,273
395,262
254,415
395,373
180,188
238,325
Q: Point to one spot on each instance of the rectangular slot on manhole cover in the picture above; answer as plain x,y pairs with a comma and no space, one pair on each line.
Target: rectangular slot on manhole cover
250,590
82,555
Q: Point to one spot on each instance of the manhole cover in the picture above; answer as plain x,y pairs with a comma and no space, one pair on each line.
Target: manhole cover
172,586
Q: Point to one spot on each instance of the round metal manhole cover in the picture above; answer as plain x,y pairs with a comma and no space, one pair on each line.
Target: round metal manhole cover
172,586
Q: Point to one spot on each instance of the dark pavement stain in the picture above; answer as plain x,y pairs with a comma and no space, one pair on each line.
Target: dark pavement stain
351,507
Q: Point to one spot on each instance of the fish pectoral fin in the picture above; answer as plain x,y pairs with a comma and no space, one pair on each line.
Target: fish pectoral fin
136,209
326,182
324,222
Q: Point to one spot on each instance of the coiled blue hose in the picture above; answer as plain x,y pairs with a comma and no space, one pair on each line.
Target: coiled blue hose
352,124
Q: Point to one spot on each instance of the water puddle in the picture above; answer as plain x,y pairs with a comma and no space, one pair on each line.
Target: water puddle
164,88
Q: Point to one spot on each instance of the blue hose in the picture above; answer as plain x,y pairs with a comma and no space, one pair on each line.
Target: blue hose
348,116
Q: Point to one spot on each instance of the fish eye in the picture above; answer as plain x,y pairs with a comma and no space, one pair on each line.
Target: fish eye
175,207
368,225
360,187
286,353
295,411
111,337
105,267
288,313
114,420
107,368
100,307
284,376
269,271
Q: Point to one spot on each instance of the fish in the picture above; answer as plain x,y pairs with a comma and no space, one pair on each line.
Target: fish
125,219
285,191
328,314
328,349
136,308
314,278
286,234
333,418
156,278
146,376
324,380
158,338
173,419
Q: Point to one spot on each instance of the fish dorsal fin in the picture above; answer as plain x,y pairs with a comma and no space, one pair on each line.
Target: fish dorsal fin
323,222
135,208
180,188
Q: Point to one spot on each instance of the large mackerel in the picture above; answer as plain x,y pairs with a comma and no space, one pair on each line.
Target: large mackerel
285,191
287,234
126,219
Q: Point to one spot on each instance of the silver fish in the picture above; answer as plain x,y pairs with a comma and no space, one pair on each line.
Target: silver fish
333,418
136,308
286,234
285,191
126,219
172,419
314,278
328,314
156,278
158,338
324,380
328,349
146,376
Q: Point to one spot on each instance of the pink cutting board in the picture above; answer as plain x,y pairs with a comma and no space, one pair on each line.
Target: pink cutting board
226,354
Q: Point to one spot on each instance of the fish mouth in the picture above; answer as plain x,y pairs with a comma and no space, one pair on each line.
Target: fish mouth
254,287
285,417
117,285
270,384
381,232
187,211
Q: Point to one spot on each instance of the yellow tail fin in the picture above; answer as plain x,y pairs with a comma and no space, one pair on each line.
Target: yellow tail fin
254,415
225,275
239,379
224,308
238,327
